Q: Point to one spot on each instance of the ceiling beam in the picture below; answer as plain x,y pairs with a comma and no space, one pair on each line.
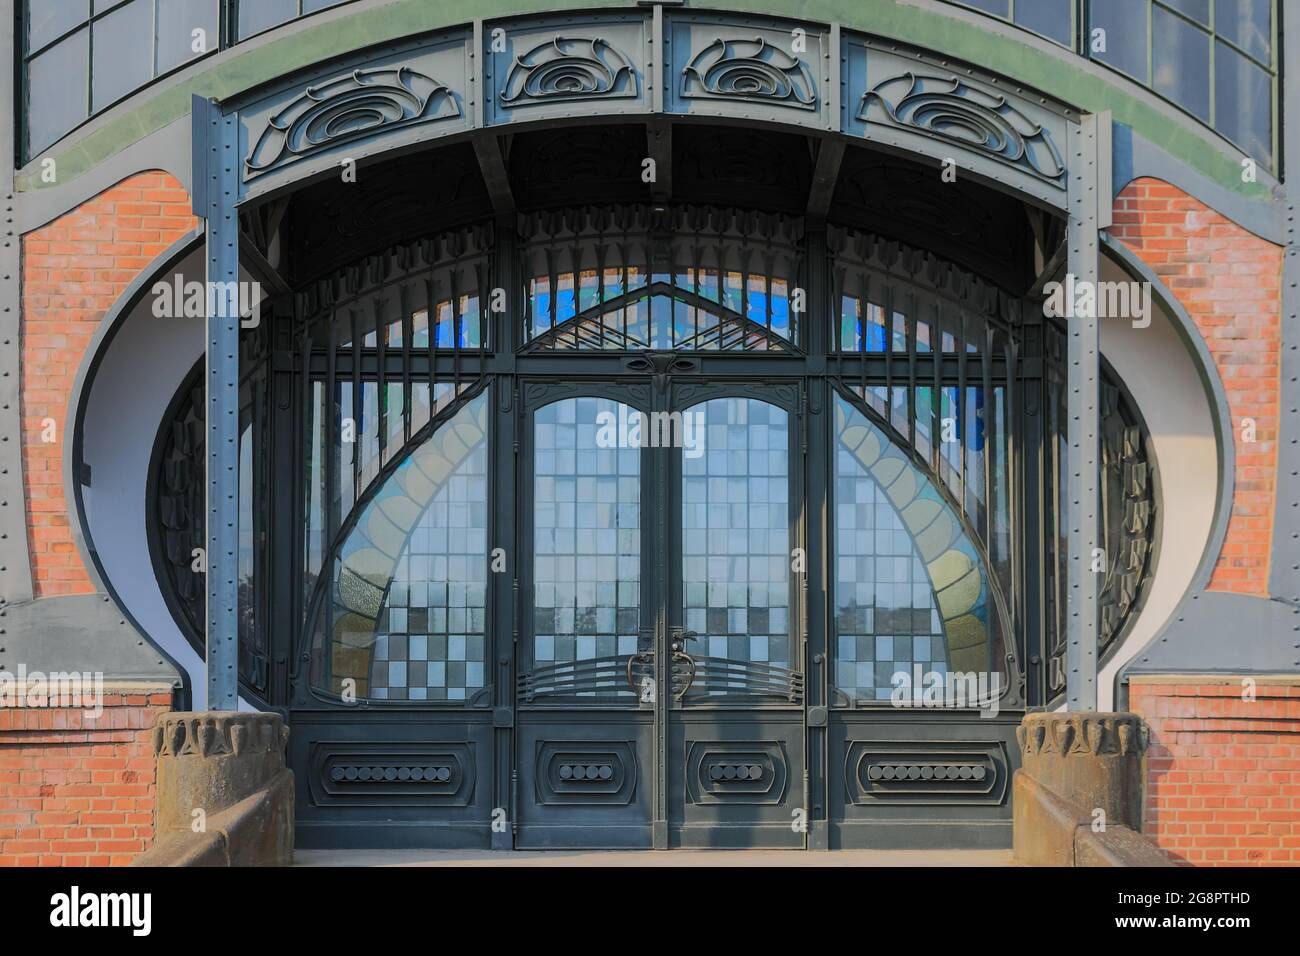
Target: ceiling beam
1052,270
260,268
830,156
659,140
492,164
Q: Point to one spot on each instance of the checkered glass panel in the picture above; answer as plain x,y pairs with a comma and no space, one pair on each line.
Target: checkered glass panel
430,639
886,620
586,532
736,531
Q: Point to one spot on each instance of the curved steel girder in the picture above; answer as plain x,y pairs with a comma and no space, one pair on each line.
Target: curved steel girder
652,66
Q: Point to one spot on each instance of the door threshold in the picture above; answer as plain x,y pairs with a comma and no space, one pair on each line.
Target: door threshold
641,858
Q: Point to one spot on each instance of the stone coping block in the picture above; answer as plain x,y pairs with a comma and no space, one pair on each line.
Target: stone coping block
1077,797
222,774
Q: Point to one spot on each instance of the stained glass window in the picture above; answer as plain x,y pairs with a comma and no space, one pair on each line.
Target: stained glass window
605,281
405,615
586,536
736,544
911,589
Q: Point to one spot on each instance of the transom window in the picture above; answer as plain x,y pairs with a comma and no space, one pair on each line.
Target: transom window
644,279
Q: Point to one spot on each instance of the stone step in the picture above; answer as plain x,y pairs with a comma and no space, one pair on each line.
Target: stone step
643,858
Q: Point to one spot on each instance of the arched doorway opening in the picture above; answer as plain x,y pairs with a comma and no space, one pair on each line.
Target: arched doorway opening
629,518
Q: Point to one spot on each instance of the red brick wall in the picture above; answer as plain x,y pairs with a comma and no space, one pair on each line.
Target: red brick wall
78,791
1230,282
74,270
1223,773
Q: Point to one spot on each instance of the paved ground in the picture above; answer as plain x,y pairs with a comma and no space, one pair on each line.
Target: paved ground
652,858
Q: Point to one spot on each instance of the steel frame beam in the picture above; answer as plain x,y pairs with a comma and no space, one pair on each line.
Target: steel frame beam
216,188
1089,205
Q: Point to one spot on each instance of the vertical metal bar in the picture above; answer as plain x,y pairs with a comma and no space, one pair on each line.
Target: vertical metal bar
666,538
506,531
381,377
912,327
431,308
936,396
284,550
1082,381
408,332
358,406
1014,451
963,329
15,560
333,451
216,165
888,317
1032,470
986,366
818,635
553,313
484,316
454,294
1056,428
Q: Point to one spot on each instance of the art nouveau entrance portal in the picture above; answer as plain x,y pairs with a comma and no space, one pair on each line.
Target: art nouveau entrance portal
616,525
640,563
665,641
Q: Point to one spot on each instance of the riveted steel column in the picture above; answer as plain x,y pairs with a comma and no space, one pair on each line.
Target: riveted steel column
216,183
506,532
15,561
816,325
1089,204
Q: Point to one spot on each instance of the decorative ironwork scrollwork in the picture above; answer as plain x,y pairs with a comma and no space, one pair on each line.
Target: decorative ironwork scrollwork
965,113
569,68
752,71
348,108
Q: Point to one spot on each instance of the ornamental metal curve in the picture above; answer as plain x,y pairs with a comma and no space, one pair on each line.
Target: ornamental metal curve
350,107
967,114
569,68
750,70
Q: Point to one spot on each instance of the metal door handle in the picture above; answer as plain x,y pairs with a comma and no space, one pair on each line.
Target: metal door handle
690,677
641,658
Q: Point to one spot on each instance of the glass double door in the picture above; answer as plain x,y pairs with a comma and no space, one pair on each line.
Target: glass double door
660,697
